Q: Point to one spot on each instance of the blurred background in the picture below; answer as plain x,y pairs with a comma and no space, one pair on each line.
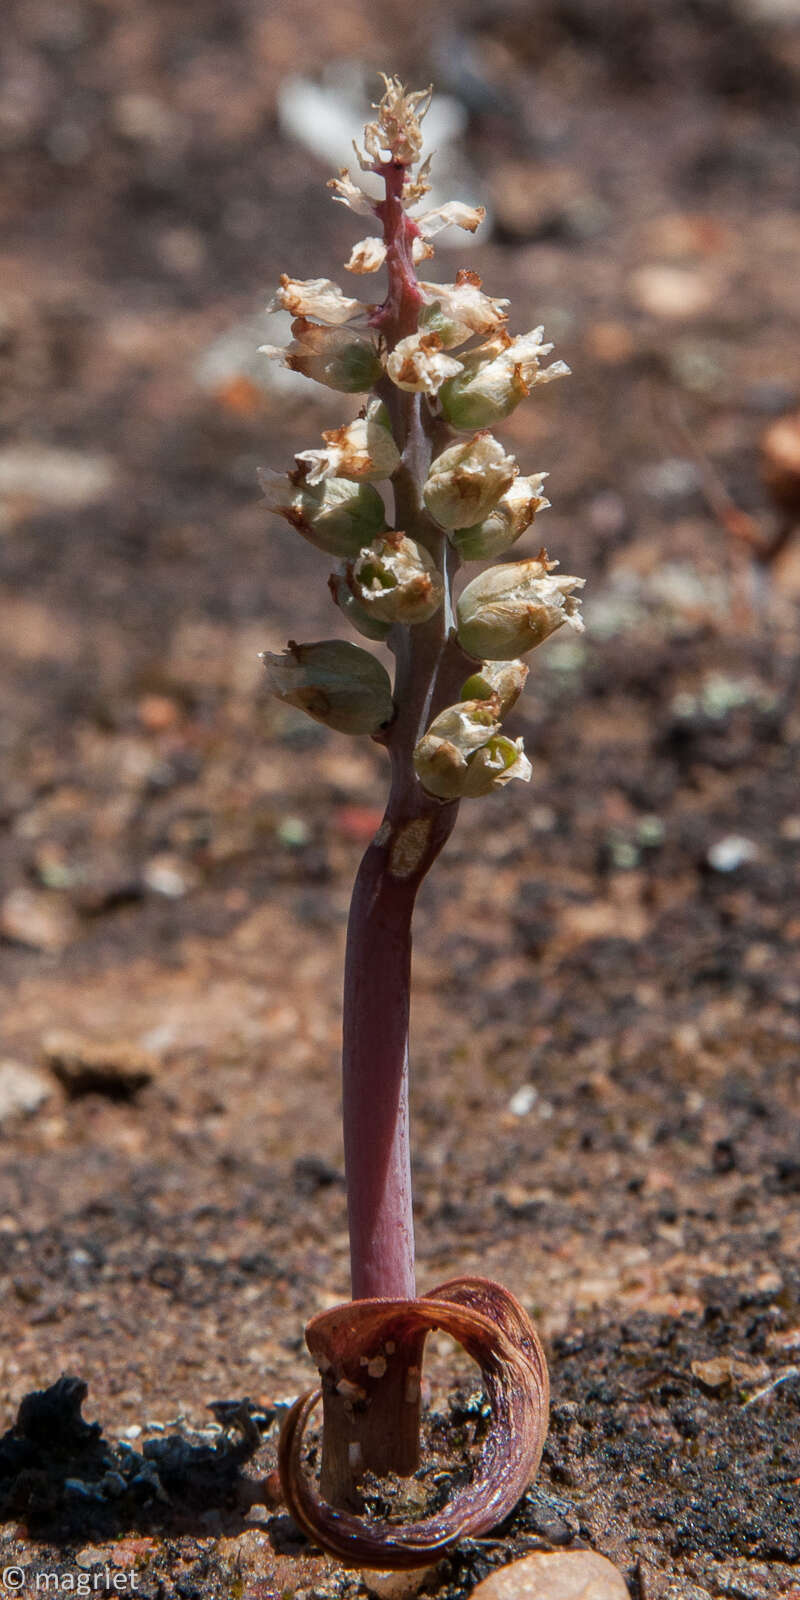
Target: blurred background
606,1033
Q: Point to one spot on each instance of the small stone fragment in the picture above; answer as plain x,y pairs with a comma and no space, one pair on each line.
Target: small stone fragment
732,852
672,292
523,1100
722,1372
95,1555
50,476
22,1090
558,1575
533,201
396,1585
166,874
42,921
86,1066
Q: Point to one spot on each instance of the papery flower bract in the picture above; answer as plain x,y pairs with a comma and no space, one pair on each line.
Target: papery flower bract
316,297
466,481
457,311
337,357
363,449
494,765
513,514
501,680
357,615
496,377
510,609
336,683
418,363
336,515
395,580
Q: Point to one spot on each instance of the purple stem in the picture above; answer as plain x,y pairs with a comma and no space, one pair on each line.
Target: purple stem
430,670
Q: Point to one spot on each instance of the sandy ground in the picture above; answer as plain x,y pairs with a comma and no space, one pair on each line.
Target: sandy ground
605,1031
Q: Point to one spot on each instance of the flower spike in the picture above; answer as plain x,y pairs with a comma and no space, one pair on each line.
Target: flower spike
402,496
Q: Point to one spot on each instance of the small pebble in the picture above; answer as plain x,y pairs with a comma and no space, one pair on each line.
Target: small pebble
22,1090
89,1066
396,1585
66,478
671,292
523,1100
732,852
41,921
558,1575
169,876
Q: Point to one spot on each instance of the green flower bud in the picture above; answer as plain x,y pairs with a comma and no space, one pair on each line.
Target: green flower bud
466,481
500,680
336,683
355,613
337,357
510,609
514,512
336,515
494,765
496,377
396,580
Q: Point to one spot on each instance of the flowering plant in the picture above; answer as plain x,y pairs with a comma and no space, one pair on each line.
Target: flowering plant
438,370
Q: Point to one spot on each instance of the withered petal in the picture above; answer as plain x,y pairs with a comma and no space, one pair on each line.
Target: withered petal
495,1331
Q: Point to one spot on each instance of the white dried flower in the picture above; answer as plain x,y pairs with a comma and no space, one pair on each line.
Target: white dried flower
369,254
500,680
441,756
513,514
337,357
396,580
466,481
351,194
454,213
510,609
366,256
396,135
417,185
360,450
494,765
336,515
464,755
336,683
316,297
418,363
496,377
359,617
457,311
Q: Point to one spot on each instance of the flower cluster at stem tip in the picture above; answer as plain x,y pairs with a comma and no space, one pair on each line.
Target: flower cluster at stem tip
445,348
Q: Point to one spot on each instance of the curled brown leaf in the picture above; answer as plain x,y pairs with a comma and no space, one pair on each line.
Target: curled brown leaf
495,1331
